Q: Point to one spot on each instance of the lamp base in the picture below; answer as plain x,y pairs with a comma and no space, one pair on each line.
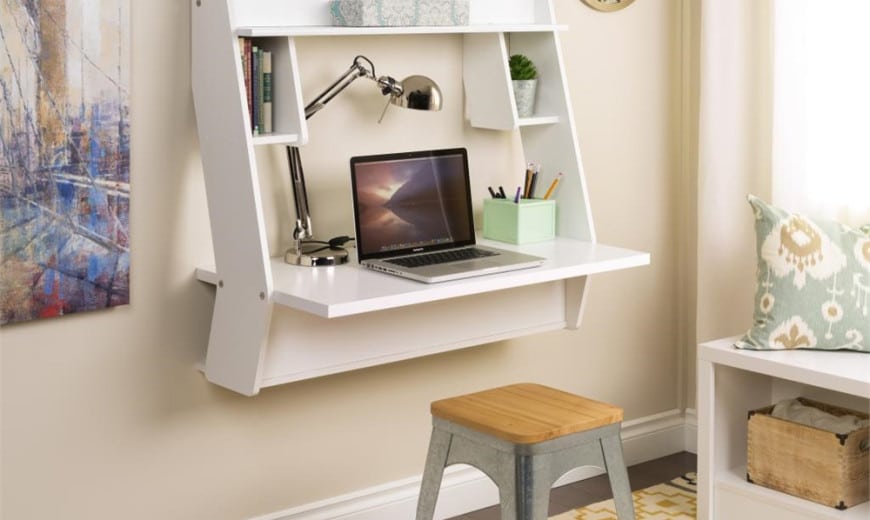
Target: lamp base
315,254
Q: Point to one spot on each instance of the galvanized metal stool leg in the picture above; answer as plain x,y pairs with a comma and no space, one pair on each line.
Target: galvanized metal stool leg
507,499
611,446
533,486
436,459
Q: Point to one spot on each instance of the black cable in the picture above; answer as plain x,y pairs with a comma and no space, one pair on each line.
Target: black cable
335,243
339,241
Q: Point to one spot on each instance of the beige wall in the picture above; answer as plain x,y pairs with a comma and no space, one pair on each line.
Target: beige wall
103,414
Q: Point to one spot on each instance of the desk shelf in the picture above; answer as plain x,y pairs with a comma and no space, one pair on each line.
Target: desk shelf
328,30
350,289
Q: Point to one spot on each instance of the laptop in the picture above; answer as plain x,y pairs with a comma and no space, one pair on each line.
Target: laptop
413,218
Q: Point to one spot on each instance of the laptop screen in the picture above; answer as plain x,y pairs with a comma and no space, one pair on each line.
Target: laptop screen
411,202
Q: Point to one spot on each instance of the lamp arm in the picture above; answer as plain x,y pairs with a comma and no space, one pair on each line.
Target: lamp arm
357,70
303,227
423,94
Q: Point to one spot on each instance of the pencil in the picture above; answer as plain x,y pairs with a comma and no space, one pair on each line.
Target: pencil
528,180
552,186
532,185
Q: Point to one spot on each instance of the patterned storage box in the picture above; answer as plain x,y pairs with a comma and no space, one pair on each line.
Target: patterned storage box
398,13
807,462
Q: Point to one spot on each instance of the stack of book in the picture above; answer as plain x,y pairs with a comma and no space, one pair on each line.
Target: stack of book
257,66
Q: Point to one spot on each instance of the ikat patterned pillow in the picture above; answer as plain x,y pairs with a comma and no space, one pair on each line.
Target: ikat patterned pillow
813,283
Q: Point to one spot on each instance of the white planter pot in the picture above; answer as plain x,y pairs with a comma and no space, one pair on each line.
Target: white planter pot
524,93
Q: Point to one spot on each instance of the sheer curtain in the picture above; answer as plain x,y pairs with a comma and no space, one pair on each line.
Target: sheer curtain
821,108
734,146
783,113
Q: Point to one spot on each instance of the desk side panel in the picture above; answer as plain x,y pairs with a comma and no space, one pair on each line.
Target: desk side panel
241,316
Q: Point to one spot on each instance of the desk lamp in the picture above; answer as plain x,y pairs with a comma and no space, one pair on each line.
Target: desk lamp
417,92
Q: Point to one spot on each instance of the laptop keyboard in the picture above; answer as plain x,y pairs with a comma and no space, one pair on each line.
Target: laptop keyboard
442,257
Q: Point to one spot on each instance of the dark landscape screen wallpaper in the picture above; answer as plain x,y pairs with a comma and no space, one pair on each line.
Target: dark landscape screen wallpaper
412,203
64,157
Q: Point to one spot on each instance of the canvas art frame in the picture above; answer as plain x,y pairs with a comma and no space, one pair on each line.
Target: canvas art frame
64,157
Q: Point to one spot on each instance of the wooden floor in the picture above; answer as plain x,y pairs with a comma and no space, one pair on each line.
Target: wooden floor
595,489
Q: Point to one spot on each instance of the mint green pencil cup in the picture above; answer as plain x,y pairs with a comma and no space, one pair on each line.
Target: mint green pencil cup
530,220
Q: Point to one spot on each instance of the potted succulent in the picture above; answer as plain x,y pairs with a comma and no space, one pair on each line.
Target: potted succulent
524,76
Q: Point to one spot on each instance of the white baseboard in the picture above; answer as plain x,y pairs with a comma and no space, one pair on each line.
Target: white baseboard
691,430
465,488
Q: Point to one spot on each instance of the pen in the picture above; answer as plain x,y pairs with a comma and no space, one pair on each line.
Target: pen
553,186
501,192
517,196
491,192
533,183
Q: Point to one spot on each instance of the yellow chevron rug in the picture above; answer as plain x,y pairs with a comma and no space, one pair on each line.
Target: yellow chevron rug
674,500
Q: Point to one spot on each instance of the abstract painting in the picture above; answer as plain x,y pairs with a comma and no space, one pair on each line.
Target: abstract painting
64,157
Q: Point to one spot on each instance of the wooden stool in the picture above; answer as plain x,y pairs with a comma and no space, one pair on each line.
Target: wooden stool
524,437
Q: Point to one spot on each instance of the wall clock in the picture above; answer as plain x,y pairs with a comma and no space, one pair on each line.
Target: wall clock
607,5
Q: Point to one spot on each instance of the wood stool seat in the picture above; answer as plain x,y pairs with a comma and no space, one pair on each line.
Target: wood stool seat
526,413
524,437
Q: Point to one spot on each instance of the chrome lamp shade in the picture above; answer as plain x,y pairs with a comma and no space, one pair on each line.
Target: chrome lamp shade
418,93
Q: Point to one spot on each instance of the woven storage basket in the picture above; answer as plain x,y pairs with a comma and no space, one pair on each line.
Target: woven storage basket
803,461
